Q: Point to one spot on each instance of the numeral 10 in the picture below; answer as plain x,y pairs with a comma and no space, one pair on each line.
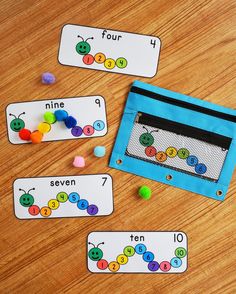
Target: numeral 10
178,238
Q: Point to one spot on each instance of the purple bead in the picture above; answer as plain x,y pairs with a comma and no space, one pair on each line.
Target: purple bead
48,78
77,131
92,209
153,266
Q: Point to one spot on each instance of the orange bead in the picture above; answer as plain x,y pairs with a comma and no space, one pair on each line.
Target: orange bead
36,137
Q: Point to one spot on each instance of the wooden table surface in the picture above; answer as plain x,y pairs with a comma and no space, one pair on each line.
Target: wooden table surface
197,58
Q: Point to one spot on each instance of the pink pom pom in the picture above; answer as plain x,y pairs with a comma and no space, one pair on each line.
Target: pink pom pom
79,161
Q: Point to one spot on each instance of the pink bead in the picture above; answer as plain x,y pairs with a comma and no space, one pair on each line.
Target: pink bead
79,161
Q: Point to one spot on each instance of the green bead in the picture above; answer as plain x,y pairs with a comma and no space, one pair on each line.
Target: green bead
49,117
145,192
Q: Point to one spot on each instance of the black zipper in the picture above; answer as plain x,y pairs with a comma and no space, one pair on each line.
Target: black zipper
183,104
184,130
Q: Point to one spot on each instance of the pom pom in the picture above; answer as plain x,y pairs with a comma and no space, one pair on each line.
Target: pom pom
48,78
145,192
99,151
70,122
79,161
36,137
49,117
60,115
44,127
24,134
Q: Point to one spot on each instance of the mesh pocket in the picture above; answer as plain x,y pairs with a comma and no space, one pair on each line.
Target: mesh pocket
176,150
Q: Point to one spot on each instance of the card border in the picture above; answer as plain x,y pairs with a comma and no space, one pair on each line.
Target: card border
65,217
158,61
153,273
76,138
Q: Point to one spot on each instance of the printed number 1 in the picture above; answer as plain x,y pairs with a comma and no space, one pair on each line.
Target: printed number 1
153,43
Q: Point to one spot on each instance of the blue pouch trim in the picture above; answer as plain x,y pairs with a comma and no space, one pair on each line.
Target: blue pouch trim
139,103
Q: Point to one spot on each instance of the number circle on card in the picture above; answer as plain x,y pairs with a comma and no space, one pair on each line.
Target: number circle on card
74,197
114,266
53,204
88,59
88,130
34,210
62,197
102,264
150,151
129,251
140,248
200,168
183,153
165,266
109,63
45,211
121,62
99,125
171,152
76,131
100,57
92,209
122,259
180,252
153,266
161,156
176,262
83,204
192,160
148,256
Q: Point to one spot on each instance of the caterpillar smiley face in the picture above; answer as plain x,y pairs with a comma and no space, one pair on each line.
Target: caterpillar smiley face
95,253
17,123
83,47
26,199
147,139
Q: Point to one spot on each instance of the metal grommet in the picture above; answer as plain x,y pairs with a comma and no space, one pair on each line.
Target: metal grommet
219,193
119,161
169,177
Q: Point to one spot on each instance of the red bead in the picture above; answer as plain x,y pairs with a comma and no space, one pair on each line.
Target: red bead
24,134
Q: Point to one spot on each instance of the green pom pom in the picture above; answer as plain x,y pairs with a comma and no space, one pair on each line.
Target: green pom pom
49,117
145,192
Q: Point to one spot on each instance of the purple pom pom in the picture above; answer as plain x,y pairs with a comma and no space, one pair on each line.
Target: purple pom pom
48,78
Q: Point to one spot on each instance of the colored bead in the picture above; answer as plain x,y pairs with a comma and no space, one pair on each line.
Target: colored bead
79,161
44,127
145,192
48,78
70,122
24,134
99,151
36,137
60,115
49,117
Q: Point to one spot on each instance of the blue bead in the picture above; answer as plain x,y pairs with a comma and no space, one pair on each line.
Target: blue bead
176,262
99,151
60,115
70,122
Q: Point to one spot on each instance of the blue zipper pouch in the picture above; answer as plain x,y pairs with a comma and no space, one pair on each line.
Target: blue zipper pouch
177,140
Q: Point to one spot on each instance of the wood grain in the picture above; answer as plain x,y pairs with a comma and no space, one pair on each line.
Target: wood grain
197,58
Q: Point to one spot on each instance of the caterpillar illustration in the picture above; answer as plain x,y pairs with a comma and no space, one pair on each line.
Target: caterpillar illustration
83,48
27,200
147,140
96,254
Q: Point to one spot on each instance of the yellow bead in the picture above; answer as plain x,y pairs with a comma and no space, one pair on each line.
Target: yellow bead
44,127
